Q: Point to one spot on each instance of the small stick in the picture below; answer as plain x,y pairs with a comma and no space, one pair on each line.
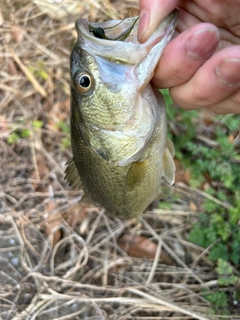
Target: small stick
29,75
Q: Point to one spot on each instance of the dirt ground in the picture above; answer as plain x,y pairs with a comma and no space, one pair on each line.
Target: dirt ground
60,258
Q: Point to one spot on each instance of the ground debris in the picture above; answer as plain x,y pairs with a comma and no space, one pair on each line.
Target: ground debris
59,258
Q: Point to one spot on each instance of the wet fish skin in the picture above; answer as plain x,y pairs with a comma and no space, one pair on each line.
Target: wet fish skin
118,121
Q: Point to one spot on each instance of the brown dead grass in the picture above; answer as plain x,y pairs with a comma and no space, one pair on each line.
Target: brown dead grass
60,259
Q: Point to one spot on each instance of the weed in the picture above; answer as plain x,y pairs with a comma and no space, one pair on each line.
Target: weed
64,126
18,134
39,70
227,296
19,130
37,124
215,167
226,273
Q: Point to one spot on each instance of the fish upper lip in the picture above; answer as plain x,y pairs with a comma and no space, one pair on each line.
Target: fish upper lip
82,27
106,48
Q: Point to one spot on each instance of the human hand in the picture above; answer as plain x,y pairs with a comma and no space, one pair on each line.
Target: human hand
201,65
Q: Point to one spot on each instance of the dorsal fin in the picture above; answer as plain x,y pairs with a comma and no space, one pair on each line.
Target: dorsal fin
72,175
168,163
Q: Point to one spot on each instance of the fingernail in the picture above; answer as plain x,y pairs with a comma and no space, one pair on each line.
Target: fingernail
143,24
229,71
202,43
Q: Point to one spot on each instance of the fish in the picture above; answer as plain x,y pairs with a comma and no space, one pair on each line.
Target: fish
118,122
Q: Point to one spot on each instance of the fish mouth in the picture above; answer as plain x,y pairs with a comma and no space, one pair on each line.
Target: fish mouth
122,51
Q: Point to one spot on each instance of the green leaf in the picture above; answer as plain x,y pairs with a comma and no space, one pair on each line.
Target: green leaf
37,124
225,270
219,250
218,299
13,137
25,133
63,126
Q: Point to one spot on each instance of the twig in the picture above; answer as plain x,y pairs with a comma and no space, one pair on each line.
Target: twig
29,75
155,261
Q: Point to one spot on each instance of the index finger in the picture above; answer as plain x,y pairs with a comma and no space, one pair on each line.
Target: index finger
152,13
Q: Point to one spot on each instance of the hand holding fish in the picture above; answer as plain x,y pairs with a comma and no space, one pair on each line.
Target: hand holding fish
201,66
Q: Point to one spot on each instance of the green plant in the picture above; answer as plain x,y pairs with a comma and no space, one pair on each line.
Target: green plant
226,296
17,134
20,131
226,273
219,301
64,126
39,70
214,164
37,124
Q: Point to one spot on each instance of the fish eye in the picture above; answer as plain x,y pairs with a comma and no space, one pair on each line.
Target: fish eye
83,82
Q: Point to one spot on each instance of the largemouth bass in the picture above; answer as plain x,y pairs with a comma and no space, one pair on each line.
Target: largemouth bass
118,121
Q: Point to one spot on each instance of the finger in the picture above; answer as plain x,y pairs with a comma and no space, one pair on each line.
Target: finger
152,13
229,105
186,20
216,80
185,54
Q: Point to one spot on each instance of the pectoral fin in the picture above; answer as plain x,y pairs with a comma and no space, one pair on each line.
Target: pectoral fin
73,178
168,163
72,175
136,173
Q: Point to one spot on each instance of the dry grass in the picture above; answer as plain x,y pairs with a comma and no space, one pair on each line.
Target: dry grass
58,258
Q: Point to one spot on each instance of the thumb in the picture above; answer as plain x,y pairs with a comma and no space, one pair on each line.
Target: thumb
152,13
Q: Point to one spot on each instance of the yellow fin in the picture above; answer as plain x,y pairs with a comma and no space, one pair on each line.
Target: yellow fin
72,175
168,163
136,174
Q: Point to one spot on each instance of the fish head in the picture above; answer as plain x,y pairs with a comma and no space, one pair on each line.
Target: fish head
114,109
